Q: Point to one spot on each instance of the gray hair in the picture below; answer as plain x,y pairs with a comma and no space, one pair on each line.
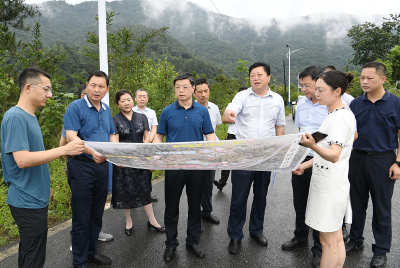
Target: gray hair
141,89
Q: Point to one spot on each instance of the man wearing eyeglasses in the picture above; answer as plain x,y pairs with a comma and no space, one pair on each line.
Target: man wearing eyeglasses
184,121
24,162
309,117
89,119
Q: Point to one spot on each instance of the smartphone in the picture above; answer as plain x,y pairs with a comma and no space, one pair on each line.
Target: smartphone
318,136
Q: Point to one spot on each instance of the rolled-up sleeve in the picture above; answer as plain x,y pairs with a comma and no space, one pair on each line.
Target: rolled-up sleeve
238,102
281,120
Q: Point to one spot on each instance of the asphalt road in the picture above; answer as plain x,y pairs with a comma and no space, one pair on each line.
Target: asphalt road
144,248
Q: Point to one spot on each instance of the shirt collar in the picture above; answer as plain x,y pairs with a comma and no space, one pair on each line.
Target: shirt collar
179,106
269,93
385,96
310,101
208,104
137,108
90,105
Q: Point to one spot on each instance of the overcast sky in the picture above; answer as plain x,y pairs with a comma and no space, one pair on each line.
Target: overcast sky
259,9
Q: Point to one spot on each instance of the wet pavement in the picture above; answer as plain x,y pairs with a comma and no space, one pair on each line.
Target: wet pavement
145,248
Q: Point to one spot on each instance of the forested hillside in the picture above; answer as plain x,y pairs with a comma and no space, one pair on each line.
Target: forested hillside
200,40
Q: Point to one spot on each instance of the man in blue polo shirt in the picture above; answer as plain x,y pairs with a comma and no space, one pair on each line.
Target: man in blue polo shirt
374,166
183,121
89,119
24,162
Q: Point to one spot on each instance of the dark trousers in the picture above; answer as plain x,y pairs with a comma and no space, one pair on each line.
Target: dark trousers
89,186
175,180
369,175
206,199
241,184
225,173
32,227
301,186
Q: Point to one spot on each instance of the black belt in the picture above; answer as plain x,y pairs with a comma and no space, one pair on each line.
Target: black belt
372,153
83,159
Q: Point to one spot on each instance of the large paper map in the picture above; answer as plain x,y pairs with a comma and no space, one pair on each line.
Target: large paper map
280,154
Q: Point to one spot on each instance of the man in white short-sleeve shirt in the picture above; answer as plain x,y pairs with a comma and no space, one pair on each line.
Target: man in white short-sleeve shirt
141,99
202,94
257,112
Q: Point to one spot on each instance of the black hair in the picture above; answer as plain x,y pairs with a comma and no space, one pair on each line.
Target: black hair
379,67
31,73
183,76
336,79
328,68
80,89
242,88
313,71
200,81
267,68
141,89
120,93
99,74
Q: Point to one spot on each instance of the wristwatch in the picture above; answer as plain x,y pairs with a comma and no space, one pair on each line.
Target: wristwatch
397,162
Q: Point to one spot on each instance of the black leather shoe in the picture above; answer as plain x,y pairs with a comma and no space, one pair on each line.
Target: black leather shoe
294,243
211,218
129,231
350,247
379,261
316,260
169,254
100,260
345,233
158,229
196,250
260,239
220,185
234,246
153,199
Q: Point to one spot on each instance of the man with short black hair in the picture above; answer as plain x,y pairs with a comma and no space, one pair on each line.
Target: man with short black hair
378,115
184,121
257,112
24,163
89,119
309,117
202,94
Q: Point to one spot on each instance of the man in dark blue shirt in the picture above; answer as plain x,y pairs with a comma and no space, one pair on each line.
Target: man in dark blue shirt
91,120
183,121
374,166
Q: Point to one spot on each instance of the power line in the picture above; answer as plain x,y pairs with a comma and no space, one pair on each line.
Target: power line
233,30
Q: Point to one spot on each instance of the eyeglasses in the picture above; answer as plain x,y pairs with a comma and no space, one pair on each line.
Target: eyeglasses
305,86
47,88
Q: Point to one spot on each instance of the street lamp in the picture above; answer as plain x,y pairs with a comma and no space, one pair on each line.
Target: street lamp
275,81
288,56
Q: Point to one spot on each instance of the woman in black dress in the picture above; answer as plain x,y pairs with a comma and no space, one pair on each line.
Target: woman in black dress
131,187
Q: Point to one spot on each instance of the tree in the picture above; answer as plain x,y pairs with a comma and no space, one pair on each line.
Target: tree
394,57
371,42
13,13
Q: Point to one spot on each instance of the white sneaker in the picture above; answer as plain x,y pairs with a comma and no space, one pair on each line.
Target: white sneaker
105,237
70,248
